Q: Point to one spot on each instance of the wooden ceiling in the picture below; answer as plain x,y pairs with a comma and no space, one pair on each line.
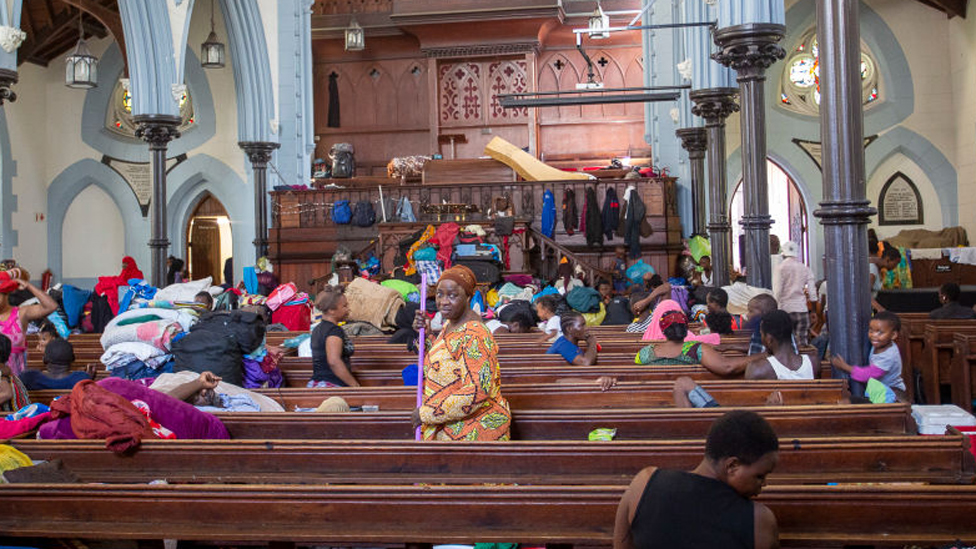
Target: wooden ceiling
52,26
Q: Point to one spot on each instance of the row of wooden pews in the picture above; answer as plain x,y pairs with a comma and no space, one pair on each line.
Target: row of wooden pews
929,347
358,478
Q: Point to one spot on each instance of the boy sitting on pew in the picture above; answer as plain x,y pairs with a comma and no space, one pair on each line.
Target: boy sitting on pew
567,345
57,374
883,372
546,307
46,334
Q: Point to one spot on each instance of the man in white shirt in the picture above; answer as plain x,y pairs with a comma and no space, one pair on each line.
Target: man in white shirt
794,283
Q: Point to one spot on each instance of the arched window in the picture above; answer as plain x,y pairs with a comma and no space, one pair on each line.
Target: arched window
786,207
119,117
800,82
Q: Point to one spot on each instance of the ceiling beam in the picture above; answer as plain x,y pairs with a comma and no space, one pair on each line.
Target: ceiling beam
43,37
952,8
108,17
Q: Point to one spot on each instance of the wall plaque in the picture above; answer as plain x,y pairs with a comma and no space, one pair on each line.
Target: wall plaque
139,177
900,203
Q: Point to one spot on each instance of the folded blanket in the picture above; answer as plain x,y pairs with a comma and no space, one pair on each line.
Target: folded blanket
116,354
157,333
370,302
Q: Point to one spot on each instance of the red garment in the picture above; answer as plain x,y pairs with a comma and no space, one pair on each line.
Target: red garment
10,429
297,318
108,286
98,413
130,270
7,284
444,237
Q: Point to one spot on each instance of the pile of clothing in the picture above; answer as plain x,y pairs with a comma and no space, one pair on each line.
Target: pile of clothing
290,308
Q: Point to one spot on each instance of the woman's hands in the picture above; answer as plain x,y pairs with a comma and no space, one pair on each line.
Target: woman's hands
420,321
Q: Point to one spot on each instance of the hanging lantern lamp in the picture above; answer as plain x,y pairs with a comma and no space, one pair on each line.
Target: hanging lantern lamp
599,23
212,51
355,37
81,67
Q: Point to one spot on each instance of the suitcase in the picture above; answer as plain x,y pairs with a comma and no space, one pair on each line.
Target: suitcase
485,272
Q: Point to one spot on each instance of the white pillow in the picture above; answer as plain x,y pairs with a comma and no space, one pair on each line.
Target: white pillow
184,291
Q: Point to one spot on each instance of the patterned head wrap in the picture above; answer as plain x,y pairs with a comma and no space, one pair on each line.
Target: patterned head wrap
462,276
673,317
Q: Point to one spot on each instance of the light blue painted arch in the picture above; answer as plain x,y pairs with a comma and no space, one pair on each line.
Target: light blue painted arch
149,48
10,17
926,156
98,101
252,72
69,184
186,184
809,182
8,202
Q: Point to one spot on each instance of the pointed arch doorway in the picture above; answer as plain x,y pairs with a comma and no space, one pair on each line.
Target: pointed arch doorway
787,208
209,240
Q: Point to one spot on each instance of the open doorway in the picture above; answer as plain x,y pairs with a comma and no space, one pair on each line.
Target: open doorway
209,241
786,207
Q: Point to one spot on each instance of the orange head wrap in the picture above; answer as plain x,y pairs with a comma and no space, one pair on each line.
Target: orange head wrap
462,276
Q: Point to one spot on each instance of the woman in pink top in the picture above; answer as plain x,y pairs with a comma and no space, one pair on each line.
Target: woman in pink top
14,320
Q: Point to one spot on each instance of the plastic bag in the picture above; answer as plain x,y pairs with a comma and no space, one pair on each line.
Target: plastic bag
602,435
699,247
637,271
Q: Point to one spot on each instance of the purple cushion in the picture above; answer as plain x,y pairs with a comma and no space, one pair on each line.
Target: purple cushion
182,418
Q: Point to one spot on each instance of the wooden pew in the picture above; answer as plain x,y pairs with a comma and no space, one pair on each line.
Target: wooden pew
351,515
940,460
633,424
963,381
522,375
911,343
936,359
565,396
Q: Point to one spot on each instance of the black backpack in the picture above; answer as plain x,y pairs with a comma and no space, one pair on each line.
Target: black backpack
363,215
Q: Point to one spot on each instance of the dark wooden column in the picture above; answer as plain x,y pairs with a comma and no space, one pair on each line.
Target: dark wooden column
750,49
158,130
259,153
715,105
845,210
7,78
695,141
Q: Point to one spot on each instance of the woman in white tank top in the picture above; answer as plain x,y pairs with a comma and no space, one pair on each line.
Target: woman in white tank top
783,362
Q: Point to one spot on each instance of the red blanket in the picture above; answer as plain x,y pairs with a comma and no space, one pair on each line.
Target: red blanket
98,413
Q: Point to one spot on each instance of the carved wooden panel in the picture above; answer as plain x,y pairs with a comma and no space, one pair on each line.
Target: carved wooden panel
468,91
507,77
461,93
561,70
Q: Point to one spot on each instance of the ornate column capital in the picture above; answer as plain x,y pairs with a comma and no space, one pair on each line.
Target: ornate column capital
258,152
714,104
157,129
693,140
7,78
749,49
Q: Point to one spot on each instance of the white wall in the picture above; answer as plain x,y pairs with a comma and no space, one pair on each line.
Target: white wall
932,208
92,217
44,125
962,58
44,140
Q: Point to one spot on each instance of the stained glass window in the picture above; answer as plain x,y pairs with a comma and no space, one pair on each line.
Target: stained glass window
800,83
119,117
